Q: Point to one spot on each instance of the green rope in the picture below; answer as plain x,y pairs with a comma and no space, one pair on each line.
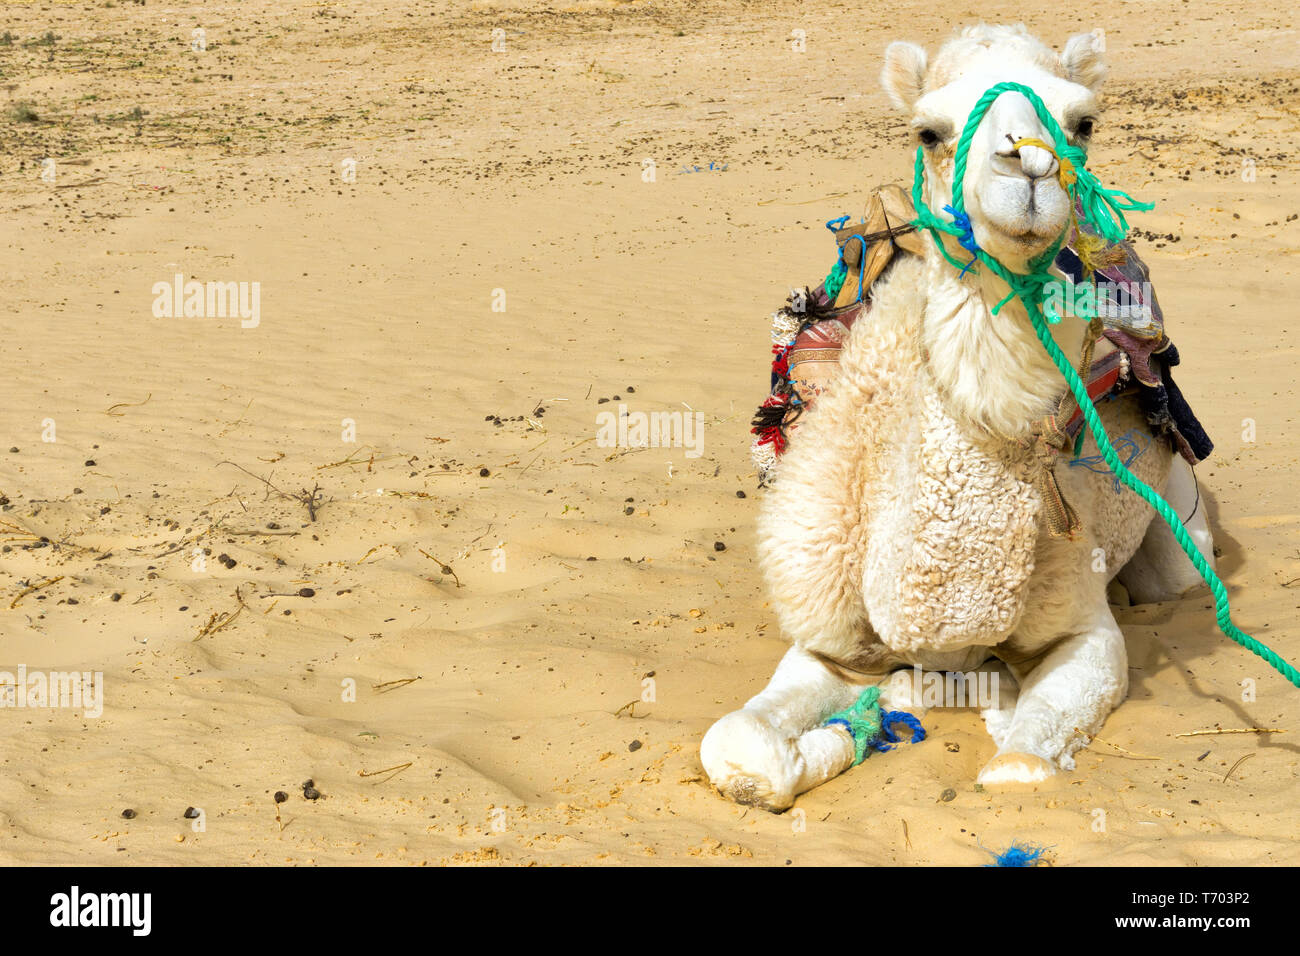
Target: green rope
1104,209
835,279
862,720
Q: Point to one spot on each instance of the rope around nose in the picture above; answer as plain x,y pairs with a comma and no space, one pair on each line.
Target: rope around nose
1104,210
1065,173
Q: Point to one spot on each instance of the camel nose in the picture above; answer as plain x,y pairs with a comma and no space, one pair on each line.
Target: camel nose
1035,162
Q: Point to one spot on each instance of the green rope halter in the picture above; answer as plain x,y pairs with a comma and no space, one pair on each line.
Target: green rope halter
1104,209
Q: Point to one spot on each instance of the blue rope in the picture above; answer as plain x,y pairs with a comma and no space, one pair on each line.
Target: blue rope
966,238
890,717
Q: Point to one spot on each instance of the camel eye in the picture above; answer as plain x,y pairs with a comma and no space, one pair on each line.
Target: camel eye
1084,129
929,138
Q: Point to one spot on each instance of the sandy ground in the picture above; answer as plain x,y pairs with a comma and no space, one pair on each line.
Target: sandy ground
497,592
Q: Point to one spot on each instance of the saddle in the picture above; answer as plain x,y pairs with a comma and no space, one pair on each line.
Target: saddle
1126,351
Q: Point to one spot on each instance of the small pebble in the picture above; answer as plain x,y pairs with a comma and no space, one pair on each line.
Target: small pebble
311,793
740,494
128,814
191,813
90,463
483,472
306,592
719,546
948,795
634,746
281,796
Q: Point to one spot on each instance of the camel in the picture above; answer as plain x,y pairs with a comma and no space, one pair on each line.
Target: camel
909,529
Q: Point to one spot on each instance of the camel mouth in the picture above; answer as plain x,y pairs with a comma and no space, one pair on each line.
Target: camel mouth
1035,235
1027,217
1041,232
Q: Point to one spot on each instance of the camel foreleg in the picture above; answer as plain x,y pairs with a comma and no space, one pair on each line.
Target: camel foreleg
776,747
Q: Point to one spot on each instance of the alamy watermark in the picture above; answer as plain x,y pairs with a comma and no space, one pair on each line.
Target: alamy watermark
211,300
1105,299
624,429
954,688
53,689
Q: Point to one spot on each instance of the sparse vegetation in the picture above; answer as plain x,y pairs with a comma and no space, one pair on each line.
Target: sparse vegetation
22,112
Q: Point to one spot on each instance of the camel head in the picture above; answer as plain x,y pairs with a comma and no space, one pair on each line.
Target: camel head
1016,204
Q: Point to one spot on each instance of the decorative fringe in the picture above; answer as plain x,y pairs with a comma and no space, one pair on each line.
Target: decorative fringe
785,326
1096,253
769,424
764,459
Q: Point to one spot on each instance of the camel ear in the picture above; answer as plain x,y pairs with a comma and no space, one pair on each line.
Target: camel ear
904,74
1082,60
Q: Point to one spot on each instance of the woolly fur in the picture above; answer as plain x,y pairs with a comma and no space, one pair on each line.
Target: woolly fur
901,519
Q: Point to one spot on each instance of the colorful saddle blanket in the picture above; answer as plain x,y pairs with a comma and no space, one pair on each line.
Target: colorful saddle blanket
1133,356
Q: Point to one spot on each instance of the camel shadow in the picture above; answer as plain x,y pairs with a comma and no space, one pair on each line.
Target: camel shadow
1203,643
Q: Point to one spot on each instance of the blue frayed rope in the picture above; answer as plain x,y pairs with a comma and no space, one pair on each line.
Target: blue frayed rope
1018,854
1127,446
966,236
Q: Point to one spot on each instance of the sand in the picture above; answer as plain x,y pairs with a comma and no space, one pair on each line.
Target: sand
487,597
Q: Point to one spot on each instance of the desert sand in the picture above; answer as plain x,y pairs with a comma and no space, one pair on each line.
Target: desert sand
494,583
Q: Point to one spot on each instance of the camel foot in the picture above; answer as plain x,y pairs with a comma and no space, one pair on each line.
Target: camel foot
749,762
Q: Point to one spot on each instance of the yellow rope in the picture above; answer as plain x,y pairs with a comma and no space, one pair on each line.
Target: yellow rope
1091,250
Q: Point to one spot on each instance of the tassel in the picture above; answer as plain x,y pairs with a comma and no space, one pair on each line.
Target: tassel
1096,253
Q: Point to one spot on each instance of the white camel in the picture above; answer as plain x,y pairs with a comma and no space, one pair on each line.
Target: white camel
907,529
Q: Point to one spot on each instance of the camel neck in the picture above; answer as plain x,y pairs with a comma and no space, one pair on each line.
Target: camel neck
992,369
